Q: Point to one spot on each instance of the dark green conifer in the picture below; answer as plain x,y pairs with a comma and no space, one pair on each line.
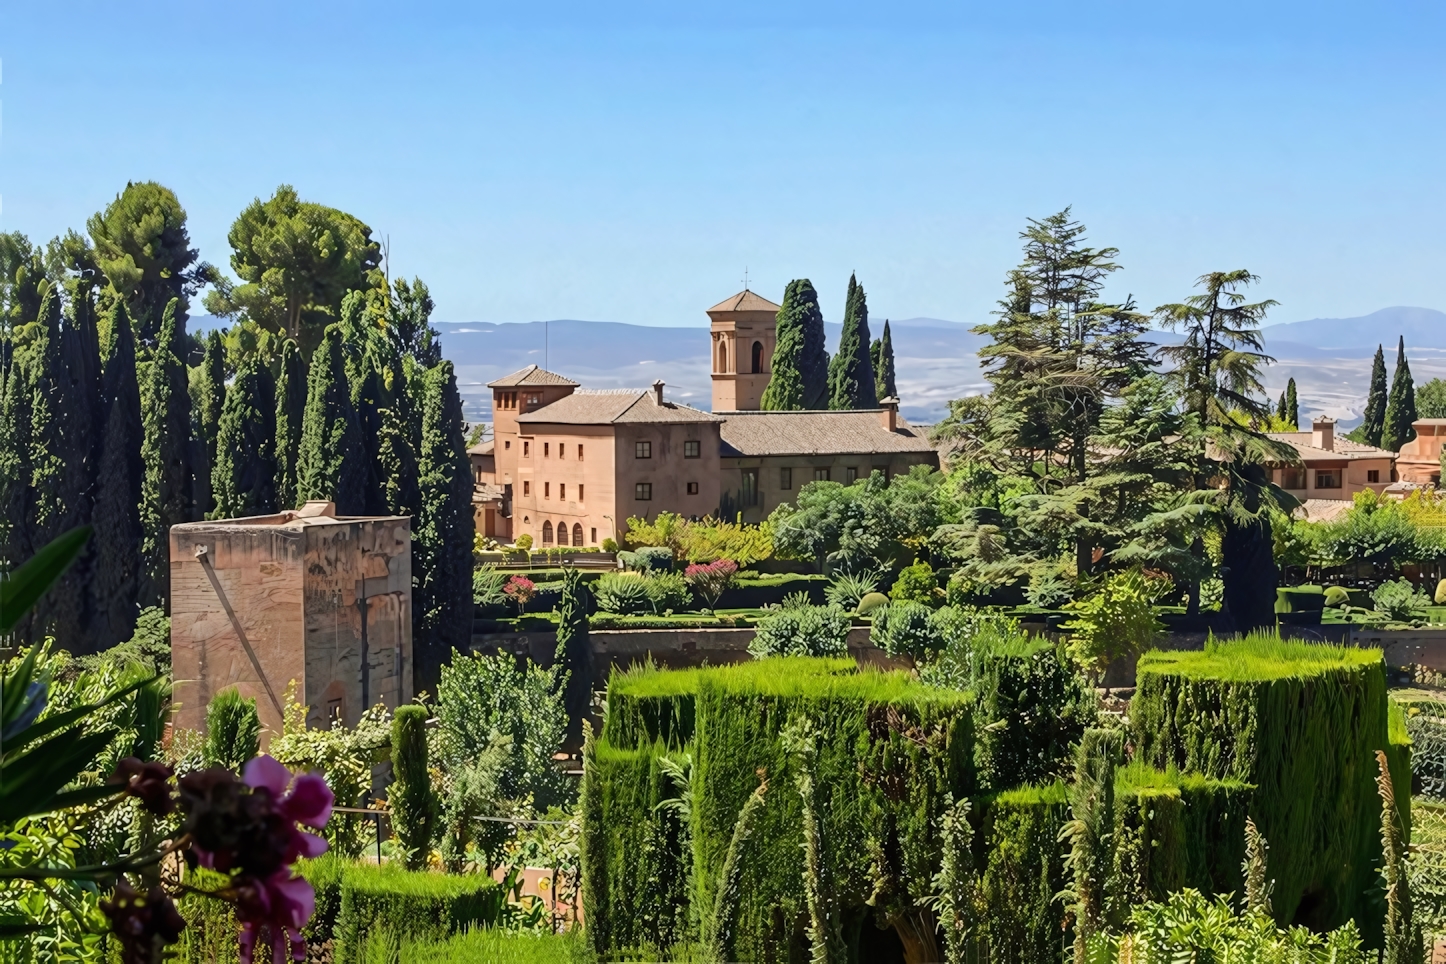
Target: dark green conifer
401,439
332,462
117,573
209,386
1374,422
884,386
244,480
574,651
1292,405
165,449
851,373
15,542
1401,405
800,365
443,536
290,413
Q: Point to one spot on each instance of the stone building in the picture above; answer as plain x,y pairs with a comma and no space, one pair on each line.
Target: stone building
1332,467
302,596
568,467
1419,460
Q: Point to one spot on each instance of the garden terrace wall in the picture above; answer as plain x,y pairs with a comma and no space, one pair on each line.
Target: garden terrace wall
888,751
1301,723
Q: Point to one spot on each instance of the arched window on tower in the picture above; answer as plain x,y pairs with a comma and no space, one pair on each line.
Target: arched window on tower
722,355
757,357
577,533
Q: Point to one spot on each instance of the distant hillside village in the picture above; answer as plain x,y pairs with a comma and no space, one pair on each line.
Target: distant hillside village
565,465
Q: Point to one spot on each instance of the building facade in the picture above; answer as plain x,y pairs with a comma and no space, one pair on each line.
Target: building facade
1332,467
1419,460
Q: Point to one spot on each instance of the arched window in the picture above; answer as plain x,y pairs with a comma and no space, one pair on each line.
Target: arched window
577,533
547,533
722,355
757,357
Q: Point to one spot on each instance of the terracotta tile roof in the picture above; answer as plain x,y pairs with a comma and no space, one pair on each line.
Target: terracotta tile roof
488,492
482,448
745,300
1344,448
606,408
532,375
1323,510
817,433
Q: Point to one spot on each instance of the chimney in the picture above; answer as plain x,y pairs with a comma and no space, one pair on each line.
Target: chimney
889,413
658,391
1323,433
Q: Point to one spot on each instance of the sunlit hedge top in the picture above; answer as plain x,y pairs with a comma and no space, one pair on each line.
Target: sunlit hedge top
1258,656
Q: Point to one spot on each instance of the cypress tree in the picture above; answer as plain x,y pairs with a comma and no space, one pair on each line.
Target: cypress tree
165,449
290,413
442,600
244,479
332,460
1374,423
851,373
116,579
209,386
884,386
410,797
1280,407
798,380
1401,405
15,543
401,439
1292,405
574,651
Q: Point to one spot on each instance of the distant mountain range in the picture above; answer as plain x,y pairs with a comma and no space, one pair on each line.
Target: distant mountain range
936,359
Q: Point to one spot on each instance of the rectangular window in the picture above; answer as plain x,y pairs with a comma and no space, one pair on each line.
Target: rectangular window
820,475
562,491
749,496
1372,475
643,450
526,450
785,479
526,488
643,491
579,451
1327,479
852,474
579,493
561,450
692,450
546,449
507,444
547,490
1292,477
692,488
594,537
479,476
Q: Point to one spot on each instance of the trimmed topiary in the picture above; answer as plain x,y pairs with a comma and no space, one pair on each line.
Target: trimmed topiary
872,601
410,905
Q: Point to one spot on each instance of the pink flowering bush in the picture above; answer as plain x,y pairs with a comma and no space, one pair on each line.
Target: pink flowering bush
520,590
709,580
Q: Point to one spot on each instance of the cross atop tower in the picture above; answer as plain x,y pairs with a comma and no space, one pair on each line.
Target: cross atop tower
745,277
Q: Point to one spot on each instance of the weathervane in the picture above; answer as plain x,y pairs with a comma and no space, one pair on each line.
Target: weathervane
745,277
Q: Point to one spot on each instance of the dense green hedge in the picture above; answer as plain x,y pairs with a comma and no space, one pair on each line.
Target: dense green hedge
1299,722
888,750
1021,866
411,905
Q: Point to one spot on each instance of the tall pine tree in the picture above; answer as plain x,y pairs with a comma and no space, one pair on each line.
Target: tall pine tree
165,450
208,395
332,462
290,413
1373,425
442,600
800,365
883,358
244,480
1401,405
851,373
117,574
84,421
1292,405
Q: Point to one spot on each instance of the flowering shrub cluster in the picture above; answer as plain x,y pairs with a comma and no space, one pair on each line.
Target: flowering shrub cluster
709,580
520,590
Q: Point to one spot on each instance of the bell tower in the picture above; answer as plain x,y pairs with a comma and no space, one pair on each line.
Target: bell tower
743,331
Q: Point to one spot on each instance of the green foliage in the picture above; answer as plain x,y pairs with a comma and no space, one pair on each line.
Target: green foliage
574,650
166,411
847,589
1400,600
1032,709
667,591
871,524
799,378
1374,423
411,906
906,628
233,730
882,356
871,601
622,592
524,542
1116,622
487,583
916,583
330,464
1336,596
851,372
243,480
207,384
802,631
1400,412
494,945
701,541
1090,834
411,802
609,544
291,391
116,581
1430,398
1290,411
1298,721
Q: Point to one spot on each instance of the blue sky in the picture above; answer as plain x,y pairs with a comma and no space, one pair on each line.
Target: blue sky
625,162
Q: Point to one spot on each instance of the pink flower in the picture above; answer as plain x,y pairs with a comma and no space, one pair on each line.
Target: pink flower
283,904
309,803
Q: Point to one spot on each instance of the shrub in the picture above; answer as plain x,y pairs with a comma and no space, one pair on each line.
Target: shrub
1033,706
916,583
802,631
520,590
487,586
709,580
1335,597
667,591
410,905
233,730
1440,597
413,807
622,592
1118,621
906,629
1048,590
524,542
702,541
871,602
847,589
1298,721
494,945
609,544
1399,600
